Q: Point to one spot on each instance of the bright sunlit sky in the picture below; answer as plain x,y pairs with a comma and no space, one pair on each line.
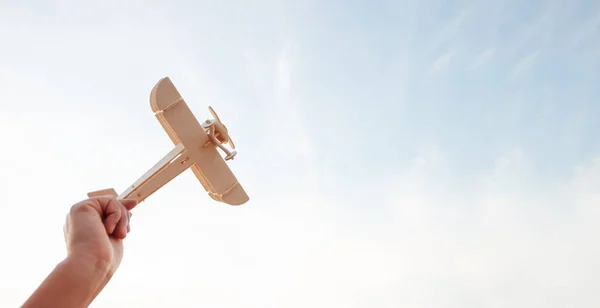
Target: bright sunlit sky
421,153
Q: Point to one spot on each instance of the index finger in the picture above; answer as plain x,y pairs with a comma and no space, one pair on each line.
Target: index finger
129,204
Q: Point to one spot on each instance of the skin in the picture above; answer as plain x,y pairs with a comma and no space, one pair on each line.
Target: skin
94,233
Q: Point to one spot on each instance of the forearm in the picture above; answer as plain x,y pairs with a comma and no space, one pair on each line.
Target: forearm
74,283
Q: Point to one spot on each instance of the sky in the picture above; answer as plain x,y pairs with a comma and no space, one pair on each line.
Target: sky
396,153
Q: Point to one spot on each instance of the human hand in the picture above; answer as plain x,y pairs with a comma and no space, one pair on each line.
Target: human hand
94,232
95,229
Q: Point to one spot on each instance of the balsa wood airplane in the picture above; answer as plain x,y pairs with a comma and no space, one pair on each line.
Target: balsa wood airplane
195,147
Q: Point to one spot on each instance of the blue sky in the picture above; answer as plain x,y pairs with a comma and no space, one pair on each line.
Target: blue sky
396,153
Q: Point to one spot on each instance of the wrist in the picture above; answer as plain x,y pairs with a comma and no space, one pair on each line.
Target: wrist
90,265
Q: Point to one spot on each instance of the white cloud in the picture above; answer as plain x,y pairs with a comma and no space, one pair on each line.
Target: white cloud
482,58
448,31
586,32
441,62
538,33
287,124
496,243
525,62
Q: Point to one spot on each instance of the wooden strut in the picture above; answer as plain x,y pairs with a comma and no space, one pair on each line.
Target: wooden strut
169,167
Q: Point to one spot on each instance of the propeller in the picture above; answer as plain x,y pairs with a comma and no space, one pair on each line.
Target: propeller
221,132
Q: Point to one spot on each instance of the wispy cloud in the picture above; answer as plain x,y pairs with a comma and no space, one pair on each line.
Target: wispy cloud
441,62
525,62
450,30
288,124
485,239
587,31
482,58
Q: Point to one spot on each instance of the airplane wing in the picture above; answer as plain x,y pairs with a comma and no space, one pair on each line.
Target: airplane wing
183,128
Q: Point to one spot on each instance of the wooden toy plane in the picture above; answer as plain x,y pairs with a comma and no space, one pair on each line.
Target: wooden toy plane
195,147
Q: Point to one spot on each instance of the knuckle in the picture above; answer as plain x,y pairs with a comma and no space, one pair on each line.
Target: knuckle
79,206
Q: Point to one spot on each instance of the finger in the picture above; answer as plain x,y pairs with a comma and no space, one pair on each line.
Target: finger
129,204
127,214
112,214
129,222
66,227
121,229
109,210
